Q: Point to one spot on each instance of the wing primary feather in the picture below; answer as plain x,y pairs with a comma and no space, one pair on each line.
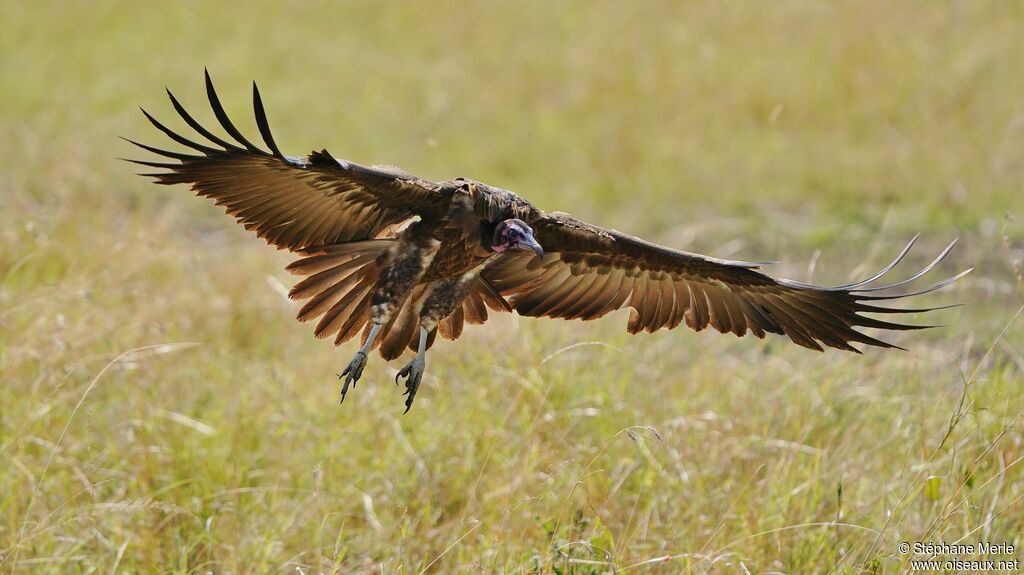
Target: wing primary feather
847,315
935,287
179,138
885,270
849,287
863,307
927,269
261,122
788,324
222,117
167,153
828,328
152,164
879,324
833,330
199,127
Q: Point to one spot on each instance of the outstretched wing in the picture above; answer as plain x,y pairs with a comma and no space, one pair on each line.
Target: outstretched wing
293,203
588,271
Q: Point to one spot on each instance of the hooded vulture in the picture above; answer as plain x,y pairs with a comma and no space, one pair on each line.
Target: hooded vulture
398,259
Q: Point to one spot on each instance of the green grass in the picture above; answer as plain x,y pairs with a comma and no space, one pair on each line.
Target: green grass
162,412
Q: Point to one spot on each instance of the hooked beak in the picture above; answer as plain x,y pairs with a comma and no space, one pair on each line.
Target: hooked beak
529,243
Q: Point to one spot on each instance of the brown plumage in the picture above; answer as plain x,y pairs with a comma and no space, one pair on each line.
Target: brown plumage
384,253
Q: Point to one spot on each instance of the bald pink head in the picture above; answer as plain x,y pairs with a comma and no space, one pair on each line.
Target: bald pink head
513,234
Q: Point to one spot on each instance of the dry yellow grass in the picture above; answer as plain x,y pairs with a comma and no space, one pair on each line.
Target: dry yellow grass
163,413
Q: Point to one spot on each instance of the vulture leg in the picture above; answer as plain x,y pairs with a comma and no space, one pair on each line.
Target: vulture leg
442,299
413,371
355,367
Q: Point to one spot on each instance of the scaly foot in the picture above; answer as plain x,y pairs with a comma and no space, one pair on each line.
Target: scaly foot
413,371
352,373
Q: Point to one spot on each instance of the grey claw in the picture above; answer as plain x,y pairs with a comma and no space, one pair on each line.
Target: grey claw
352,373
413,371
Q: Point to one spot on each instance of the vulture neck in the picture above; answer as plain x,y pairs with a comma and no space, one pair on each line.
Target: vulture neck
487,229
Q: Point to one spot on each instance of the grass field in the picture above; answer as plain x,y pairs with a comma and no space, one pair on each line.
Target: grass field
162,412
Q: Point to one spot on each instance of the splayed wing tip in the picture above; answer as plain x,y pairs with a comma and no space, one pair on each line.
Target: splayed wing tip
225,121
903,253
166,153
919,274
867,308
178,137
160,165
262,123
927,290
195,125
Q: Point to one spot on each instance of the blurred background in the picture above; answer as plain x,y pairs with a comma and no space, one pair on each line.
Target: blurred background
163,412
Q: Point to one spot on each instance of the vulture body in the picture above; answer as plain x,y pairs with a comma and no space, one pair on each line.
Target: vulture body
399,259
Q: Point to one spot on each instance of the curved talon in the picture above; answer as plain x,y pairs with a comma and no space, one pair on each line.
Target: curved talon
413,371
352,373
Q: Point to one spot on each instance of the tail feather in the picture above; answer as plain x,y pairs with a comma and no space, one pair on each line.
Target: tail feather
336,317
403,330
451,326
474,308
326,297
359,315
319,259
339,286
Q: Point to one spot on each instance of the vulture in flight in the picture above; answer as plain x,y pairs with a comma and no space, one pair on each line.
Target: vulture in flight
398,259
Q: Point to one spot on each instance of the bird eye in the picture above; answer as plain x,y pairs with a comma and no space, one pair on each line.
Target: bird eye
513,234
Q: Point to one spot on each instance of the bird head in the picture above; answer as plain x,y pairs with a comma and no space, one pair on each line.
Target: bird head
513,234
